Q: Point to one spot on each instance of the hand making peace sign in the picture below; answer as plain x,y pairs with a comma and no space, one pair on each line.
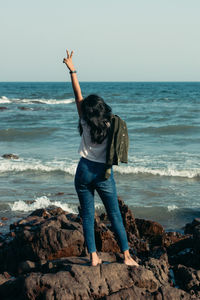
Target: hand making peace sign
68,61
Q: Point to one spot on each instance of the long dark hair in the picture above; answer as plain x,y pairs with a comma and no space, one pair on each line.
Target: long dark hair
97,115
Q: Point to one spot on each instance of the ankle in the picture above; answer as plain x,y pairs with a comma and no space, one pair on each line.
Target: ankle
93,255
127,254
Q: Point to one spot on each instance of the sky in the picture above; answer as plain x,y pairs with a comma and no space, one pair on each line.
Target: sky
113,40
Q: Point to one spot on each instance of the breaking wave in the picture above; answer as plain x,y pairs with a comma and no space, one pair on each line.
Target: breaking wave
70,168
43,202
161,172
4,99
40,202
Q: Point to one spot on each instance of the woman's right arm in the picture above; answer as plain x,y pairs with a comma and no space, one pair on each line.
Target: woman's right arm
74,79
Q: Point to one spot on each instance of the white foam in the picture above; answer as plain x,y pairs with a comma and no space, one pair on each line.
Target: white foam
161,172
172,207
47,101
40,202
36,165
21,165
4,99
70,168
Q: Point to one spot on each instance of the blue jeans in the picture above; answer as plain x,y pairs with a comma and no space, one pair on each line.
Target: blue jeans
90,177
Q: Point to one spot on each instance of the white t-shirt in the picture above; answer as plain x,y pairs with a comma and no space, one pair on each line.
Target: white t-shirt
92,151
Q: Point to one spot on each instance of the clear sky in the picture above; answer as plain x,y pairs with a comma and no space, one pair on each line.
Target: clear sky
113,40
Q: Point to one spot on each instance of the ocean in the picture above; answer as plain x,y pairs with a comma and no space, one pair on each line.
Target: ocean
161,182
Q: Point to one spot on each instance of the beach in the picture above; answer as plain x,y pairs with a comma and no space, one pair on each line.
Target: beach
39,125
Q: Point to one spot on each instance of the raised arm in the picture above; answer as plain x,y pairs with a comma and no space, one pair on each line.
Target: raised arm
74,79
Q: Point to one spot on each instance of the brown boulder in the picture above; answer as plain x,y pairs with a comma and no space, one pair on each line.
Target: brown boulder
148,228
42,236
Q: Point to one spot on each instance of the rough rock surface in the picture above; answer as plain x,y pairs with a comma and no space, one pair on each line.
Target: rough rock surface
44,257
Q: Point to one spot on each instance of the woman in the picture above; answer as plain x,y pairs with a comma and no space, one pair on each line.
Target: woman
94,125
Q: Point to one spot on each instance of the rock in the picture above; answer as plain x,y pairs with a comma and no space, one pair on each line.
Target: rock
44,257
13,289
129,220
29,201
26,266
10,156
105,238
40,238
160,269
189,227
76,280
40,212
3,108
59,194
24,108
187,278
148,228
184,249
163,293
5,276
151,232
171,293
4,218
196,237
175,241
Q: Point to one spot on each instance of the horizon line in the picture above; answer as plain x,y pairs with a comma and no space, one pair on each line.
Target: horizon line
95,81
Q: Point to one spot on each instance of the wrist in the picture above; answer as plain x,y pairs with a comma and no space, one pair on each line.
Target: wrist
72,71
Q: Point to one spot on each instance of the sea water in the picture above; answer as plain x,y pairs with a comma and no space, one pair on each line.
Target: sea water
161,181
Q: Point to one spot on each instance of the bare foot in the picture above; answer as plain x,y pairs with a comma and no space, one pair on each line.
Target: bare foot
94,259
96,262
130,262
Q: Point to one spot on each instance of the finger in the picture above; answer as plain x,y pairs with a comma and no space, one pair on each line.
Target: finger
67,54
71,54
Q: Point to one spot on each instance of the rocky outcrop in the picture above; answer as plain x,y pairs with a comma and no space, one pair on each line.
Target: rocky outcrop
43,235
10,156
44,257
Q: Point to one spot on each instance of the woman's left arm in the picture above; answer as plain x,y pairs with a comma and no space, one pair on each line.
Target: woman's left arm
75,82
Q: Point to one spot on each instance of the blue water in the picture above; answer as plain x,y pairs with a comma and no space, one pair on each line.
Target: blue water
160,182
